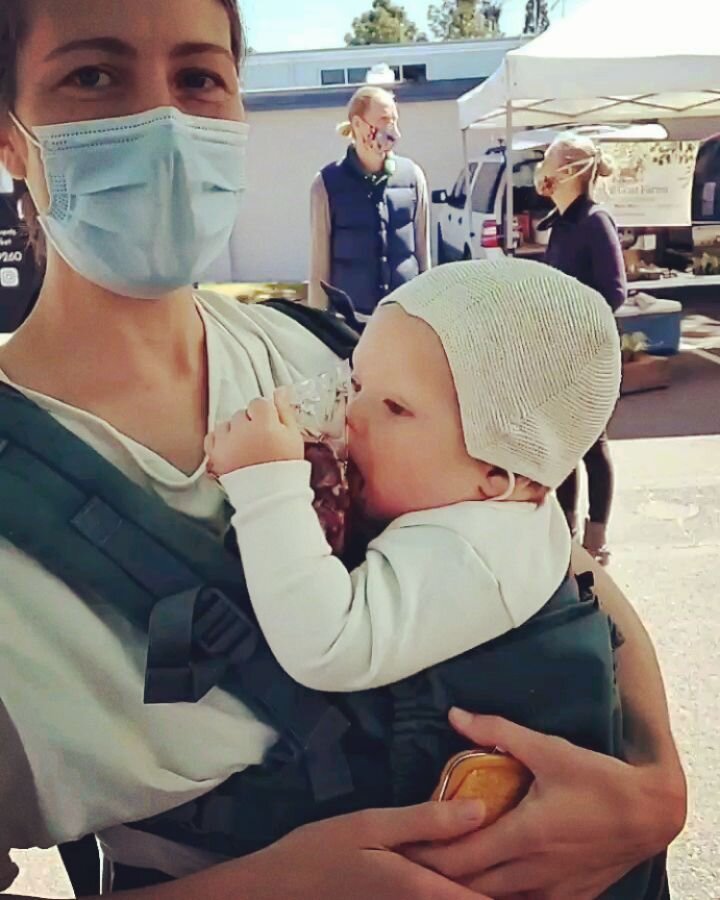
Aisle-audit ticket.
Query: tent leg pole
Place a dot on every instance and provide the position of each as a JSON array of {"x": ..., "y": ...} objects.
[
  {"x": 466, "y": 162},
  {"x": 510, "y": 199}
]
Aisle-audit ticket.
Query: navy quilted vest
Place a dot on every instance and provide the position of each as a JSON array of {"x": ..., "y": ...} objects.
[{"x": 372, "y": 231}]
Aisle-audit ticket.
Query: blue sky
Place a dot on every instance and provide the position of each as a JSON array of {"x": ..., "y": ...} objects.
[{"x": 310, "y": 24}]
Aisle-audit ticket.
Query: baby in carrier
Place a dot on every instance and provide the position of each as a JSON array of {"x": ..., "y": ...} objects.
[{"x": 477, "y": 388}]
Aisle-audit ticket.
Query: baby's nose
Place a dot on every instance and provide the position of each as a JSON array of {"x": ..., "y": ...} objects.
[{"x": 354, "y": 415}]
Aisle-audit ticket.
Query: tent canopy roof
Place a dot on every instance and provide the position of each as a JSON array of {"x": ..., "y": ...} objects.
[{"x": 610, "y": 61}]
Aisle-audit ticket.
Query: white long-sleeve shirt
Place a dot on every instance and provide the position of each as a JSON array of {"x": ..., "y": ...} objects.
[
  {"x": 321, "y": 235},
  {"x": 434, "y": 584},
  {"x": 79, "y": 750}
]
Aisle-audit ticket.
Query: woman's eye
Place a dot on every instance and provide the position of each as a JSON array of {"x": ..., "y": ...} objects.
[
  {"x": 90, "y": 78},
  {"x": 395, "y": 408},
  {"x": 198, "y": 80}
]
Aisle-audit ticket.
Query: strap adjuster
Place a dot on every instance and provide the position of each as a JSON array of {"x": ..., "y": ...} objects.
[
  {"x": 194, "y": 637},
  {"x": 221, "y": 628}
]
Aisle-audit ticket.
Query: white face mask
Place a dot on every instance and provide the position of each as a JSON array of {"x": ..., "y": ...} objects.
[
  {"x": 546, "y": 184},
  {"x": 141, "y": 205}
]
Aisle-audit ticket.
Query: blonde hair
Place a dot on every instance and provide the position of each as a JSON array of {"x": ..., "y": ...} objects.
[
  {"x": 359, "y": 104},
  {"x": 576, "y": 148}
]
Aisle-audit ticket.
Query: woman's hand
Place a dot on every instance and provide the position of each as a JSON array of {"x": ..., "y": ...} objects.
[
  {"x": 587, "y": 820},
  {"x": 265, "y": 432},
  {"x": 355, "y": 857},
  {"x": 351, "y": 857}
]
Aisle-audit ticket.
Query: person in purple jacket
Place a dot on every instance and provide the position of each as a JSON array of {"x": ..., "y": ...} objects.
[{"x": 584, "y": 243}]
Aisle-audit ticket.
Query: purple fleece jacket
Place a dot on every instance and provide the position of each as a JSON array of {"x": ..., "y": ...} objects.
[{"x": 584, "y": 243}]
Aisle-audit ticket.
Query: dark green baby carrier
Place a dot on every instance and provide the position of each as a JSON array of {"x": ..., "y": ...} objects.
[{"x": 113, "y": 542}]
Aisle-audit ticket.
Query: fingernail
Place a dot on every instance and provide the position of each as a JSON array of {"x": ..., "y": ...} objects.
[
  {"x": 460, "y": 716},
  {"x": 471, "y": 811}
]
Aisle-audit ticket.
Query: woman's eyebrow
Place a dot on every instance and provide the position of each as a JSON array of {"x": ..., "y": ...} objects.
[
  {"x": 192, "y": 49},
  {"x": 104, "y": 44}
]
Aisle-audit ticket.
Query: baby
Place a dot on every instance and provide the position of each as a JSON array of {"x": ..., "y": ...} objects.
[{"x": 477, "y": 388}]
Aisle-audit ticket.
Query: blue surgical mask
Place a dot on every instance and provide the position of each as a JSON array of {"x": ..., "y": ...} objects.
[{"x": 142, "y": 205}]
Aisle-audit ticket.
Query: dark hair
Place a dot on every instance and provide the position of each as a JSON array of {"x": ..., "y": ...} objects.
[{"x": 13, "y": 28}]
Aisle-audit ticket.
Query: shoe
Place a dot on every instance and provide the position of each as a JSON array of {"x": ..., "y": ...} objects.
[{"x": 595, "y": 542}]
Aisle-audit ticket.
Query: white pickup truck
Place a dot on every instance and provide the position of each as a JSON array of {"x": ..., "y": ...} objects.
[{"x": 470, "y": 218}]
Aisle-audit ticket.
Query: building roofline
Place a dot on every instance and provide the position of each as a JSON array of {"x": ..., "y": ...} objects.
[
  {"x": 339, "y": 97},
  {"x": 429, "y": 46}
]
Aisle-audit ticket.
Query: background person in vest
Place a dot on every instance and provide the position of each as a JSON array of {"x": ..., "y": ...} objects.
[
  {"x": 370, "y": 216},
  {"x": 120, "y": 351},
  {"x": 584, "y": 243}
]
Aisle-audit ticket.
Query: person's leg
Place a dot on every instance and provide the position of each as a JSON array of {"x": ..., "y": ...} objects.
[
  {"x": 601, "y": 483},
  {"x": 567, "y": 495}
]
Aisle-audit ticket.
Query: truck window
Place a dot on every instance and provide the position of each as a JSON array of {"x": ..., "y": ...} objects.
[
  {"x": 485, "y": 188},
  {"x": 458, "y": 195},
  {"x": 525, "y": 197}
]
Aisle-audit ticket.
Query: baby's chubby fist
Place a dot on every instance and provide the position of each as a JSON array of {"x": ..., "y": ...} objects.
[{"x": 266, "y": 431}]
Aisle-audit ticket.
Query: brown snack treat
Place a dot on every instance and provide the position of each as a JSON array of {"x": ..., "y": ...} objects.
[
  {"x": 499, "y": 780},
  {"x": 328, "y": 480}
]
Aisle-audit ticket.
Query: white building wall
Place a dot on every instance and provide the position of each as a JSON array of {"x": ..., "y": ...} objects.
[{"x": 286, "y": 150}]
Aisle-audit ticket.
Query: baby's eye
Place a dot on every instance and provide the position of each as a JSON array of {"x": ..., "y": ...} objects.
[
  {"x": 395, "y": 408},
  {"x": 355, "y": 386}
]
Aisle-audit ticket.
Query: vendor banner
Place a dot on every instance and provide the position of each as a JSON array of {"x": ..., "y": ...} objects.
[{"x": 652, "y": 183}]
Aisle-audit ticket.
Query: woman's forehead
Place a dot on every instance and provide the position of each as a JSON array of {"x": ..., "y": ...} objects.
[
  {"x": 383, "y": 109},
  {"x": 137, "y": 23}
]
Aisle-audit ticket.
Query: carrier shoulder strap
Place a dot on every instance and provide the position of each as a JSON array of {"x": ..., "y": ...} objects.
[
  {"x": 108, "y": 539},
  {"x": 331, "y": 327}
]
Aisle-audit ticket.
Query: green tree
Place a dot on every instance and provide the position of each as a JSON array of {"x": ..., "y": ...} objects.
[
  {"x": 454, "y": 19},
  {"x": 384, "y": 23},
  {"x": 537, "y": 17}
]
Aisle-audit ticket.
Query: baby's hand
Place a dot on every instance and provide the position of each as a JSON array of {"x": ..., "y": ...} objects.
[{"x": 264, "y": 432}]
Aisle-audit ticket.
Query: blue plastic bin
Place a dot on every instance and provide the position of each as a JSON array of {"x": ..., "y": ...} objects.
[{"x": 660, "y": 325}]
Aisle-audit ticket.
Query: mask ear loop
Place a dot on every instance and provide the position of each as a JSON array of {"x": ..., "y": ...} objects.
[
  {"x": 507, "y": 494},
  {"x": 23, "y": 130},
  {"x": 34, "y": 142},
  {"x": 585, "y": 166}
]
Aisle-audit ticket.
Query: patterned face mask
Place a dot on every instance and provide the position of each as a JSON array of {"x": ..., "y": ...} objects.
[{"x": 382, "y": 140}]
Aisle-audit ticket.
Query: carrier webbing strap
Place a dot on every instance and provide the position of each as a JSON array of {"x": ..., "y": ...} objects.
[{"x": 112, "y": 541}]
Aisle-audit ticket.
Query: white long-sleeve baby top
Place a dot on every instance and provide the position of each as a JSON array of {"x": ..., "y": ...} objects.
[{"x": 434, "y": 584}]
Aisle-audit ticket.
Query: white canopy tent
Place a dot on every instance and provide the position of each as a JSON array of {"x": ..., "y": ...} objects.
[{"x": 609, "y": 61}]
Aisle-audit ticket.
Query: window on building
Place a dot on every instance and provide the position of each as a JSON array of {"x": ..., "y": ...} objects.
[
  {"x": 357, "y": 76},
  {"x": 417, "y": 73},
  {"x": 332, "y": 76}
]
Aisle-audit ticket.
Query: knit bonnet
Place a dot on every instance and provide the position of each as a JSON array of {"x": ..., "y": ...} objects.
[{"x": 534, "y": 355}]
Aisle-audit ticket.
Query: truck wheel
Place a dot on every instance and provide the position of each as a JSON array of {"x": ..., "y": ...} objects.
[{"x": 467, "y": 253}]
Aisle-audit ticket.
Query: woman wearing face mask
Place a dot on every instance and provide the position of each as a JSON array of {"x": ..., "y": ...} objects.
[
  {"x": 584, "y": 243},
  {"x": 369, "y": 211},
  {"x": 125, "y": 122}
]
